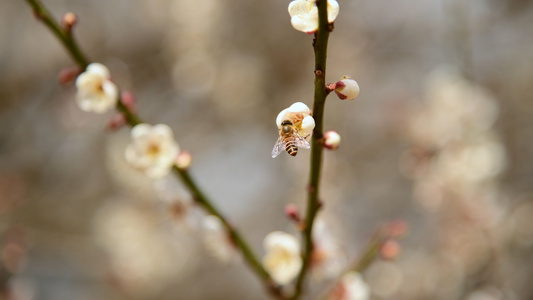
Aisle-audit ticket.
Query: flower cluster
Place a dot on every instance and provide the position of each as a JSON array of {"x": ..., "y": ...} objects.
[
  {"x": 154, "y": 151},
  {"x": 455, "y": 162},
  {"x": 304, "y": 14}
]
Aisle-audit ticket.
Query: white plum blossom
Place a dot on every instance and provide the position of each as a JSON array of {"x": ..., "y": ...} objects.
[
  {"x": 96, "y": 92},
  {"x": 300, "y": 116},
  {"x": 351, "y": 287},
  {"x": 282, "y": 259},
  {"x": 304, "y": 14},
  {"x": 217, "y": 240},
  {"x": 347, "y": 88},
  {"x": 332, "y": 140},
  {"x": 152, "y": 150}
]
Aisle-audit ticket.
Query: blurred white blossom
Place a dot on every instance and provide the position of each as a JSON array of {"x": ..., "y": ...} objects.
[
  {"x": 304, "y": 14},
  {"x": 347, "y": 88},
  {"x": 216, "y": 239},
  {"x": 96, "y": 92},
  {"x": 152, "y": 150},
  {"x": 300, "y": 116},
  {"x": 282, "y": 259},
  {"x": 351, "y": 287},
  {"x": 139, "y": 252},
  {"x": 328, "y": 259},
  {"x": 177, "y": 204}
]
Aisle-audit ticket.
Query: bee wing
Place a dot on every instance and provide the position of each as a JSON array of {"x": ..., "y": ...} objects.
[
  {"x": 302, "y": 142},
  {"x": 278, "y": 148}
]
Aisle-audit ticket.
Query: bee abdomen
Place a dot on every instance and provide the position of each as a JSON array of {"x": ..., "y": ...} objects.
[{"x": 291, "y": 148}]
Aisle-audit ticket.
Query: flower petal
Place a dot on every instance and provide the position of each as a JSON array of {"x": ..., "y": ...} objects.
[
  {"x": 98, "y": 69},
  {"x": 308, "y": 124}
]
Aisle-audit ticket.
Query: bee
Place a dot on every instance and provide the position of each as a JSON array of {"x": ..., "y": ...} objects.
[{"x": 289, "y": 139}]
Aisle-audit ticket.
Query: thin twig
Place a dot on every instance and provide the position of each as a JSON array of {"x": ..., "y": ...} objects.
[
  {"x": 66, "y": 38},
  {"x": 320, "y": 45},
  {"x": 133, "y": 119}
]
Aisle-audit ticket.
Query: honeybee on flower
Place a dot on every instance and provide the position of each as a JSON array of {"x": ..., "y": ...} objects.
[{"x": 295, "y": 126}]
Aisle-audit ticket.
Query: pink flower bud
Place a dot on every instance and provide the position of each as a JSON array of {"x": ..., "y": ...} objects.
[
  {"x": 347, "y": 88},
  {"x": 69, "y": 20},
  {"x": 332, "y": 140},
  {"x": 68, "y": 75},
  {"x": 390, "y": 250},
  {"x": 128, "y": 100},
  {"x": 184, "y": 160},
  {"x": 398, "y": 228},
  {"x": 291, "y": 211}
]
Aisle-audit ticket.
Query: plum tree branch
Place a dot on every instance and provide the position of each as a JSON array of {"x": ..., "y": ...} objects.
[{"x": 66, "y": 38}]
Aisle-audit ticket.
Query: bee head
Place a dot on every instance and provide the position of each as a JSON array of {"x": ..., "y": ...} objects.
[{"x": 287, "y": 126}]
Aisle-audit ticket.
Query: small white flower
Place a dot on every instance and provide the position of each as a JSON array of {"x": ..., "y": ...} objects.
[
  {"x": 300, "y": 116},
  {"x": 351, "y": 287},
  {"x": 282, "y": 259},
  {"x": 304, "y": 14},
  {"x": 153, "y": 149},
  {"x": 96, "y": 92},
  {"x": 347, "y": 88},
  {"x": 332, "y": 140},
  {"x": 216, "y": 239}
]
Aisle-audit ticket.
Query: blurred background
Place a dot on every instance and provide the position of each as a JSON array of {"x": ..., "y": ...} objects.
[{"x": 440, "y": 136}]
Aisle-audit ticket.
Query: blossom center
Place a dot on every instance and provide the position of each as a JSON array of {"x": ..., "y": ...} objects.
[
  {"x": 178, "y": 210},
  {"x": 153, "y": 150},
  {"x": 284, "y": 256}
]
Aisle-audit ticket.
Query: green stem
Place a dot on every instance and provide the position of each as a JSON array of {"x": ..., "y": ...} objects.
[
  {"x": 313, "y": 204},
  {"x": 133, "y": 119}
]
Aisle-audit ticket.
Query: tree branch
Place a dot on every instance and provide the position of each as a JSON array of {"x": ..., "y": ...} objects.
[{"x": 133, "y": 119}]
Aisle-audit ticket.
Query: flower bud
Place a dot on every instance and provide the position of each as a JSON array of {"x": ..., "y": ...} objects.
[
  {"x": 291, "y": 211},
  {"x": 332, "y": 140},
  {"x": 116, "y": 121},
  {"x": 398, "y": 228},
  {"x": 390, "y": 250},
  {"x": 128, "y": 100},
  {"x": 69, "y": 20},
  {"x": 347, "y": 88},
  {"x": 184, "y": 160},
  {"x": 68, "y": 75}
]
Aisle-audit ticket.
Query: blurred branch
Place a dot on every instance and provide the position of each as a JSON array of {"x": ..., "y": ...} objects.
[
  {"x": 65, "y": 36},
  {"x": 370, "y": 253},
  {"x": 133, "y": 119},
  {"x": 320, "y": 45},
  {"x": 372, "y": 249}
]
